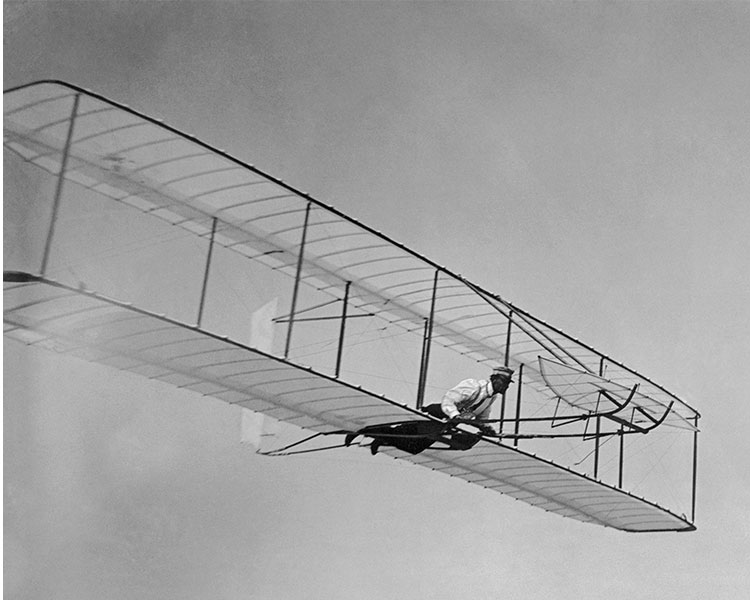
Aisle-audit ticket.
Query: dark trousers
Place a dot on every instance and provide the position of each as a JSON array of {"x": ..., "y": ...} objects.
[{"x": 416, "y": 436}]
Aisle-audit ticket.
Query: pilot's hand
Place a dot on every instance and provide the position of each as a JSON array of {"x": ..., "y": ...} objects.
[
  {"x": 466, "y": 417},
  {"x": 486, "y": 429}
]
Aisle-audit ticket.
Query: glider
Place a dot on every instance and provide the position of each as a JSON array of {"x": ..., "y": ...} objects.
[{"x": 330, "y": 273}]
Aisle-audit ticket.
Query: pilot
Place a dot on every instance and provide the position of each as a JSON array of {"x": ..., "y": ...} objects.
[{"x": 472, "y": 399}]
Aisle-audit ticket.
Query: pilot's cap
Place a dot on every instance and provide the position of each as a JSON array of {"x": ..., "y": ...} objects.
[{"x": 504, "y": 372}]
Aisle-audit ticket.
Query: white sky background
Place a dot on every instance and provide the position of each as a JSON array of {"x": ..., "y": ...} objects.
[{"x": 587, "y": 161}]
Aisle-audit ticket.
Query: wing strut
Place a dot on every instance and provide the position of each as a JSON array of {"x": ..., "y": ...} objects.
[{"x": 282, "y": 451}]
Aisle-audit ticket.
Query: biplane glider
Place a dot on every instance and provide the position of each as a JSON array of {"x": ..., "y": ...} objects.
[{"x": 141, "y": 244}]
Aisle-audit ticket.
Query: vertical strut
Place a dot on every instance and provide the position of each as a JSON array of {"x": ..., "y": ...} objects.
[
  {"x": 420, "y": 392},
  {"x": 598, "y": 424},
  {"x": 695, "y": 467},
  {"x": 621, "y": 433},
  {"x": 297, "y": 276},
  {"x": 59, "y": 185},
  {"x": 208, "y": 268},
  {"x": 518, "y": 404},
  {"x": 426, "y": 341},
  {"x": 343, "y": 328},
  {"x": 596, "y": 447},
  {"x": 506, "y": 361}
]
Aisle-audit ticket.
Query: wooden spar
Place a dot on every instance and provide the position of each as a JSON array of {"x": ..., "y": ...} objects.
[
  {"x": 426, "y": 342},
  {"x": 297, "y": 276},
  {"x": 342, "y": 330},
  {"x": 206, "y": 271},
  {"x": 59, "y": 185}
]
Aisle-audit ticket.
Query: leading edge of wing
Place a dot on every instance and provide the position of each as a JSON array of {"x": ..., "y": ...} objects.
[{"x": 478, "y": 343}]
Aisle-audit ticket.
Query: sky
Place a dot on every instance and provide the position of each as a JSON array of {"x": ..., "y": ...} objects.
[{"x": 587, "y": 161}]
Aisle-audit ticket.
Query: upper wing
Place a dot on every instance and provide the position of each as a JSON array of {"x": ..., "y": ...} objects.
[{"x": 152, "y": 167}]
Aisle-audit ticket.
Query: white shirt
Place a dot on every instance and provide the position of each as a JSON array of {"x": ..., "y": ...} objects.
[{"x": 471, "y": 395}]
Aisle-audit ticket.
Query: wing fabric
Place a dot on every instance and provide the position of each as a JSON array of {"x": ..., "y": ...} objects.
[
  {"x": 115, "y": 153},
  {"x": 82, "y": 324}
]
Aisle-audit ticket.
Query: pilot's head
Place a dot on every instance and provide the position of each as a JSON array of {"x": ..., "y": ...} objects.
[{"x": 501, "y": 378}]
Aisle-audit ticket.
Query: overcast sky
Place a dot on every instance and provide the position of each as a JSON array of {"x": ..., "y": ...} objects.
[{"x": 587, "y": 161}]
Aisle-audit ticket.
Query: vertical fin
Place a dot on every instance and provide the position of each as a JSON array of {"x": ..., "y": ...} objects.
[{"x": 256, "y": 428}]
